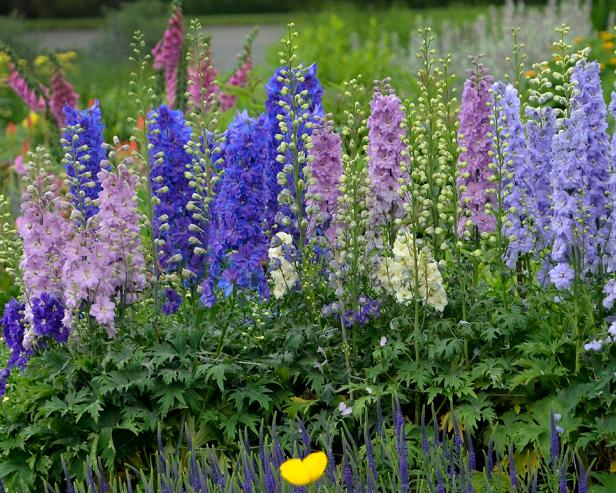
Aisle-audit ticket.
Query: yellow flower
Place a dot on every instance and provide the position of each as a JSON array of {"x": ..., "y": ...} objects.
[
  {"x": 300, "y": 472},
  {"x": 609, "y": 45},
  {"x": 529, "y": 74},
  {"x": 31, "y": 120},
  {"x": 612, "y": 61},
  {"x": 66, "y": 57},
  {"x": 41, "y": 60},
  {"x": 4, "y": 58},
  {"x": 578, "y": 39},
  {"x": 602, "y": 66},
  {"x": 606, "y": 36}
]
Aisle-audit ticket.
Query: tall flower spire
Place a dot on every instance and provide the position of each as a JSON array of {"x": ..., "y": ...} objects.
[
  {"x": 474, "y": 138},
  {"x": 62, "y": 93},
  {"x": 168, "y": 136},
  {"x": 168, "y": 53},
  {"x": 580, "y": 180},
  {"x": 35, "y": 99},
  {"x": 82, "y": 142},
  {"x": 242, "y": 247},
  {"x": 323, "y": 185},
  {"x": 385, "y": 146}
]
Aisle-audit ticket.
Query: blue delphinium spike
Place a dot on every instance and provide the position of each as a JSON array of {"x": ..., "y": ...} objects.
[
  {"x": 278, "y": 455},
  {"x": 562, "y": 477},
  {"x": 305, "y": 438}
]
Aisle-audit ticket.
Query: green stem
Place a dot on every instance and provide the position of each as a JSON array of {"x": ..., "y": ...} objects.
[{"x": 221, "y": 339}]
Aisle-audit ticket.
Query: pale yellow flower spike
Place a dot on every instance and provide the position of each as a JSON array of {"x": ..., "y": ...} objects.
[{"x": 300, "y": 472}]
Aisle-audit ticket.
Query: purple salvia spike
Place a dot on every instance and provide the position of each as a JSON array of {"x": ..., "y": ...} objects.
[
  {"x": 490, "y": 457},
  {"x": 372, "y": 473},
  {"x": 70, "y": 487},
  {"x": 424, "y": 436},
  {"x": 90, "y": 480},
  {"x": 472, "y": 460},
  {"x": 347, "y": 473},
  {"x": 100, "y": 475},
  {"x": 331, "y": 464},
  {"x": 582, "y": 478},
  {"x": 305, "y": 438},
  {"x": 562, "y": 477},
  {"x": 403, "y": 460},
  {"x": 554, "y": 445},
  {"x": 278, "y": 454},
  {"x": 513, "y": 473}
]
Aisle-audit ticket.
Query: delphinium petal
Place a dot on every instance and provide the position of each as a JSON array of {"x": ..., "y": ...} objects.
[{"x": 474, "y": 138}]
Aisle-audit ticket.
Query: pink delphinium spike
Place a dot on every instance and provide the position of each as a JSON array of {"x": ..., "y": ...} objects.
[
  {"x": 35, "y": 101},
  {"x": 168, "y": 53},
  {"x": 62, "y": 93},
  {"x": 325, "y": 170},
  {"x": 202, "y": 84}
]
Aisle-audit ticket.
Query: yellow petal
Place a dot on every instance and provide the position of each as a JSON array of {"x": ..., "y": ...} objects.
[
  {"x": 315, "y": 464},
  {"x": 295, "y": 472}
]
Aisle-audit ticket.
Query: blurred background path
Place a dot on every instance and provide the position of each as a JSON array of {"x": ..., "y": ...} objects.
[{"x": 227, "y": 41}]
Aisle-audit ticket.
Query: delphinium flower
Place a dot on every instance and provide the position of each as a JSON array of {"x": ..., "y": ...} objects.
[
  {"x": 239, "y": 77},
  {"x": 168, "y": 53},
  {"x": 474, "y": 138},
  {"x": 104, "y": 262},
  {"x": 47, "y": 316},
  {"x": 323, "y": 190},
  {"x": 281, "y": 256},
  {"x": 13, "y": 329},
  {"x": 241, "y": 246},
  {"x": 540, "y": 128},
  {"x": 512, "y": 169},
  {"x": 42, "y": 231},
  {"x": 293, "y": 105},
  {"x": 411, "y": 273},
  {"x": 580, "y": 180},
  {"x": 385, "y": 146},
  {"x": 82, "y": 142},
  {"x": 168, "y": 135},
  {"x": 62, "y": 93}
]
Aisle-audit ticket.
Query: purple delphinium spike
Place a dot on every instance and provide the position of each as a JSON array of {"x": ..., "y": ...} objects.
[
  {"x": 84, "y": 156},
  {"x": 90, "y": 479},
  {"x": 13, "y": 330},
  {"x": 100, "y": 476},
  {"x": 513, "y": 472},
  {"x": 562, "y": 477},
  {"x": 168, "y": 136},
  {"x": 173, "y": 301},
  {"x": 385, "y": 146},
  {"x": 278, "y": 454},
  {"x": 239, "y": 208},
  {"x": 403, "y": 459},
  {"x": 331, "y": 464},
  {"x": 516, "y": 172},
  {"x": 193, "y": 470},
  {"x": 474, "y": 138},
  {"x": 304, "y": 82},
  {"x": 540, "y": 129},
  {"x": 580, "y": 179}
]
